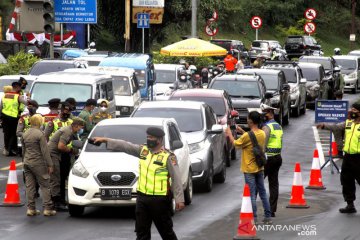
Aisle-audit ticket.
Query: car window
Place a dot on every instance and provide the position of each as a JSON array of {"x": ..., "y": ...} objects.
[
  {"x": 173, "y": 134},
  {"x": 217, "y": 103},
  {"x": 224, "y": 44},
  {"x": 210, "y": 118},
  {"x": 237, "y": 88},
  {"x": 290, "y": 74},
  {"x": 46, "y": 67},
  {"x": 165, "y": 76},
  {"x": 8, "y": 82},
  {"x": 346, "y": 64},
  {"x": 260, "y": 44},
  {"x": 313, "y": 40},
  {"x": 311, "y": 74},
  {"x": 323, "y": 61},
  {"x": 121, "y": 86},
  {"x": 308, "y": 41},
  {"x": 294, "y": 40},
  {"x": 271, "y": 81}
]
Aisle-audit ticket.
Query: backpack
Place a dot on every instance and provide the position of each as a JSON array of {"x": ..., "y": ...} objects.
[{"x": 259, "y": 154}]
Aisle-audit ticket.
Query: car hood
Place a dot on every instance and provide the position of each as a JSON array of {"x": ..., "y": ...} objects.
[
  {"x": 124, "y": 101},
  {"x": 246, "y": 102},
  {"x": 194, "y": 137},
  {"x": 161, "y": 88},
  {"x": 347, "y": 71}
]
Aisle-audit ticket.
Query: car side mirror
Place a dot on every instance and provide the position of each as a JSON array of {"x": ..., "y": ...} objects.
[
  {"x": 303, "y": 81},
  {"x": 234, "y": 114},
  {"x": 216, "y": 129},
  {"x": 286, "y": 87},
  {"x": 336, "y": 69},
  {"x": 176, "y": 145},
  {"x": 269, "y": 95}
]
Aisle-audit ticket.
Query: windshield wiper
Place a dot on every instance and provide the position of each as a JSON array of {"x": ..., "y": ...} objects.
[
  {"x": 251, "y": 96},
  {"x": 236, "y": 96}
]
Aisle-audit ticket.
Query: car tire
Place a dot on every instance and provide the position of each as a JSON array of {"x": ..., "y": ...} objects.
[
  {"x": 188, "y": 193},
  {"x": 227, "y": 157},
  {"x": 208, "y": 184},
  {"x": 233, "y": 154},
  {"x": 303, "y": 110},
  {"x": 221, "y": 176},
  {"x": 353, "y": 91},
  {"x": 287, "y": 117},
  {"x": 296, "y": 111},
  {"x": 76, "y": 210}
]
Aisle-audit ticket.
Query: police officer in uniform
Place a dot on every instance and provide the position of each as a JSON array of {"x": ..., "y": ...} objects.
[
  {"x": 86, "y": 115},
  {"x": 72, "y": 103},
  {"x": 273, "y": 143},
  {"x": 62, "y": 120},
  {"x": 157, "y": 165},
  {"x": 350, "y": 169},
  {"x": 183, "y": 82},
  {"x": 60, "y": 143},
  {"x": 24, "y": 123},
  {"x": 54, "y": 110}
]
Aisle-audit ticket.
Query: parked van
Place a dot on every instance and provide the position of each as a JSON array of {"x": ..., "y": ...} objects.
[
  {"x": 141, "y": 63},
  {"x": 126, "y": 87},
  {"x": 80, "y": 86}
]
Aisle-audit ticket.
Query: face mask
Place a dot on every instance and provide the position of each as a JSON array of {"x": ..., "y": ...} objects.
[
  {"x": 23, "y": 87},
  {"x": 81, "y": 131},
  {"x": 103, "y": 109},
  {"x": 183, "y": 78},
  {"x": 353, "y": 115},
  {"x": 32, "y": 111},
  {"x": 151, "y": 143}
]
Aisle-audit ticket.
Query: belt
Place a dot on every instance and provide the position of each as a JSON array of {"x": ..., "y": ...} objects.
[{"x": 273, "y": 150}]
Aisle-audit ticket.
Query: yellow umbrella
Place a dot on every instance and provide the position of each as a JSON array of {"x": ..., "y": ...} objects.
[{"x": 193, "y": 47}]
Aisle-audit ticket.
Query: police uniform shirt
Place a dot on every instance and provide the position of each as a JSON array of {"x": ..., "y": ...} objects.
[
  {"x": 21, "y": 126},
  {"x": 172, "y": 165},
  {"x": 64, "y": 135}
]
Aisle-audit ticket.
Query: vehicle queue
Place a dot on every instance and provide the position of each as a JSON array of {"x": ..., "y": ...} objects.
[{"x": 199, "y": 135}]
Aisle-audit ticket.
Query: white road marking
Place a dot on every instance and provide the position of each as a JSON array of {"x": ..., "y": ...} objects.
[{"x": 319, "y": 146}]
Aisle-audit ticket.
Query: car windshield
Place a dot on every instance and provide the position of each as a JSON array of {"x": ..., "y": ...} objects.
[
  {"x": 294, "y": 40},
  {"x": 325, "y": 62},
  {"x": 217, "y": 103},
  {"x": 46, "y": 67},
  {"x": 140, "y": 75},
  {"x": 311, "y": 74},
  {"x": 165, "y": 76},
  {"x": 8, "y": 82},
  {"x": 346, "y": 64},
  {"x": 260, "y": 44},
  {"x": 271, "y": 81},
  {"x": 189, "y": 120},
  {"x": 290, "y": 74},
  {"x": 42, "y": 92},
  {"x": 238, "y": 88},
  {"x": 131, "y": 133},
  {"x": 121, "y": 86}
]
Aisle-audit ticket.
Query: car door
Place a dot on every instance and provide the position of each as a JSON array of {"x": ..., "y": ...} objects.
[
  {"x": 302, "y": 87},
  {"x": 135, "y": 91},
  {"x": 285, "y": 94},
  {"x": 215, "y": 139}
]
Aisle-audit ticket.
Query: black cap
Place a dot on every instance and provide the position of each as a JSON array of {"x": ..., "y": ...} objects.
[
  {"x": 71, "y": 100},
  {"x": 356, "y": 106},
  {"x": 33, "y": 103},
  {"x": 65, "y": 106},
  {"x": 54, "y": 102},
  {"x": 16, "y": 84},
  {"x": 23, "y": 81},
  {"x": 155, "y": 131},
  {"x": 90, "y": 102}
]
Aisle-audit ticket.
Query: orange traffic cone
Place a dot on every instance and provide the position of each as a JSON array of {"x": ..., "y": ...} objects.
[
  {"x": 12, "y": 196},
  {"x": 334, "y": 148},
  {"x": 297, "y": 199},
  {"x": 315, "y": 174},
  {"x": 246, "y": 228}
]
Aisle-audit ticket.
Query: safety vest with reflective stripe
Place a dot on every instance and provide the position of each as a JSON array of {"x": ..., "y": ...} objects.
[
  {"x": 153, "y": 173},
  {"x": 352, "y": 137},
  {"x": 26, "y": 122},
  {"x": 59, "y": 124},
  {"x": 10, "y": 103},
  {"x": 275, "y": 140}
]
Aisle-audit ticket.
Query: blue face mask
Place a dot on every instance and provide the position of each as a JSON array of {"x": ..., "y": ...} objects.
[{"x": 81, "y": 131}]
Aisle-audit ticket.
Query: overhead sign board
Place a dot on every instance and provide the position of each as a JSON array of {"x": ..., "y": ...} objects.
[
  {"x": 310, "y": 14},
  {"x": 256, "y": 22},
  {"x": 143, "y": 20},
  {"x": 332, "y": 111},
  {"x": 156, "y": 14},
  {"x": 76, "y": 11},
  {"x": 148, "y": 3},
  {"x": 309, "y": 27}
]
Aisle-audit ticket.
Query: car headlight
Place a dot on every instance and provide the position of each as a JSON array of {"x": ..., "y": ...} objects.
[
  {"x": 195, "y": 147},
  {"x": 79, "y": 170},
  {"x": 294, "y": 89},
  {"x": 353, "y": 75}
]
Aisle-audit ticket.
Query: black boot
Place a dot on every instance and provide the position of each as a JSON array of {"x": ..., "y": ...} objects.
[
  {"x": 58, "y": 205},
  {"x": 350, "y": 208}
]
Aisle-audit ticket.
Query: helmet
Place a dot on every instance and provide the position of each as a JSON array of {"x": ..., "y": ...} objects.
[
  {"x": 337, "y": 51},
  {"x": 183, "y": 76},
  {"x": 192, "y": 69}
]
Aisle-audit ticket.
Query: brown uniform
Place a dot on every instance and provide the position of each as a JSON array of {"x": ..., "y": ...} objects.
[
  {"x": 98, "y": 117},
  {"x": 36, "y": 162}
]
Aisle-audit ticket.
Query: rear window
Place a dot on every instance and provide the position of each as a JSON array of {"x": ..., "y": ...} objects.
[
  {"x": 47, "y": 67},
  {"x": 224, "y": 44},
  {"x": 294, "y": 40},
  {"x": 165, "y": 76},
  {"x": 311, "y": 74},
  {"x": 260, "y": 44},
  {"x": 217, "y": 103},
  {"x": 8, "y": 82}
]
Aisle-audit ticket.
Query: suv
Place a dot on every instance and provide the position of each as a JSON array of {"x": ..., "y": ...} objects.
[
  {"x": 277, "y": 84},
  {"x": 235, "y": 46},
  {"x": 220, "y": 102},
  {"x": 166, "y": 76},
  {"x": 46, "y": 65},
  {"x": 247, "y": 93},
  {"x": 332, "y": 71},
  {"x": 264, "y": 48},
  {"x": 350, "y": 69},
  {"x": 294, "y": 77},
  {"x": 297, "y": 46}
]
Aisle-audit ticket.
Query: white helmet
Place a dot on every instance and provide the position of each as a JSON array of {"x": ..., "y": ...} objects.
[{"x": 337, "y": 51}]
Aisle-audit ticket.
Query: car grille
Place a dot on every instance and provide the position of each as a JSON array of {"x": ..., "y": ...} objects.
[{"x": 127, "y": 178}]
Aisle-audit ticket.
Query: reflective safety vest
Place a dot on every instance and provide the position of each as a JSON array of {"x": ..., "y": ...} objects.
[
  {"x": 26, "y": 122},
  {"x": 352, "y": 137},
  {"x": 59, "y": 124},
  {"x": 275, "y": 140},
  {"x": 11, "y": 105},
  {"x": 153, "y": 173}
]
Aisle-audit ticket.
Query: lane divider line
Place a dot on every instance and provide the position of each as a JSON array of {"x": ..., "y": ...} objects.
[
  {"x": 319, "y": 146},
  {"x": 8, "y": 168}
]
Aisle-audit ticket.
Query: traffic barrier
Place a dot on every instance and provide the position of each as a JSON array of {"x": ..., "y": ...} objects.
[
  {"x": 246, "y": 228},
  {"x": 315, "y": 181},
  {"x": 297, "y": 199},
  {"x": 12, "y": 196},
  {"x": 334, "y": 149}
]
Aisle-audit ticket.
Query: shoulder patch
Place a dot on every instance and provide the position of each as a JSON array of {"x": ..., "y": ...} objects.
[
  {"x": 173, "y": 160},
  {"x": 144, "y": 152},
  {"x": 160, "y": 158},
  {"x": 21, "y": 120}
]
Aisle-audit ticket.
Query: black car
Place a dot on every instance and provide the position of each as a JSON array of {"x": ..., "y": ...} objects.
[
  {"x": 276, "y": 83},
  {"x": 247, "y": 93},
  {"x": 297, "y": 46},
  {"x": 236, "y": 46}
]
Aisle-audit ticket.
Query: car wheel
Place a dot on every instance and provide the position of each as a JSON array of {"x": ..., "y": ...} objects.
[
  {"x": 188, "y": 193},
  {"x": 221, "y": 176},
  {"x": 227, "y": 157},
  {"x": 355, "y": 88},
  {"x": 303, "y": 110},
  {"x": 287, "y": 117},
  {"x": 296, "y": 111},
  {"x": 208, "y": 184},
  {"x": 357, "y": 84},
  {"x": 233, "y": 153},
  {"x": 76, "y": 210}
]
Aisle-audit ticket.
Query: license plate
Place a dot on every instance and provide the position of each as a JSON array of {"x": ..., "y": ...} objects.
[{"x": 115, "y": 193}]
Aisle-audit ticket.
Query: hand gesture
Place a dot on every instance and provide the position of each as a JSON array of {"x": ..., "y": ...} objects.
[
  {"x": 320, "y": 126},
  {"x": 180, "y": 206}
]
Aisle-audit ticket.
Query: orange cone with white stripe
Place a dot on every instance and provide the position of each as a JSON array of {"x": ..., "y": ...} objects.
[
  {"x": 315, "y": 174},
  {"x": 297, "y": 199},
  {"x": 12, "y": 196},
  {"x": 334, "y": 149},
  {"x": 246, "y": 228}
]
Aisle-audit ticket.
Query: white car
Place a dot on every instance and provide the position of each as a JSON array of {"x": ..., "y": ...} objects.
[
  {"x": 350, "y": 70},
  {"x": 101, "y": 177},
  {"x": 166, "y": 75}
]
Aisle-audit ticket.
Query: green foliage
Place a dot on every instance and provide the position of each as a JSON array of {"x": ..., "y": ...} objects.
[
  {"x": 21, "y": 62},
  {"x": 199, "y": 62}
]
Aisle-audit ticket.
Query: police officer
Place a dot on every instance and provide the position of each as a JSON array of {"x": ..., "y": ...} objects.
[
  {"x": 183, "y": 82},
  {"x": 273, "y": 143},
  {"x": 62, "y": 120},
  {"x": 59, "y": 144},
  {"x": 350, "y": 169},
  {"x": 10, "y": 111},
  {"x": 86, "y": 115},
  {"x": 24, "y": 123},
  {"x": 103, "y": 113},
  {"x": 54, "y": 110},
  {"x": 72, "y": 103},
  {"x": 37, "y": 167},
  {"x": 157, "y": 165}
]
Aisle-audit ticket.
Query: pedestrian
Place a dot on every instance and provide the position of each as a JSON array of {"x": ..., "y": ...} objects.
[
  {"x": 72, "y": 103},
  {"x": 24, "y": 123},
  {"x": 254, "y": 175},
  {"x": 230, "y": 62},
  {"x": 37, "y": 167},
  {"x": 54, "y": 110},
  {"x": 182, "y": 83},
  {"x": 62, "y": 120},
  {"x": 273, "y": 142},
  {"x": 10, "y": 112},
  {"x": 86, "y": 115},
  {"x": 154, "y": 198},
  {"x": 103, "y": 113},
  {"x": 339, "y": 95},
  {"x": 59, "y": 144},
  {"x": 350, "y": 169}
]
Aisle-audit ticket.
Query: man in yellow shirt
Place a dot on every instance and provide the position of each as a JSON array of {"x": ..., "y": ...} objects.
[{"x": 254, "y": 175}]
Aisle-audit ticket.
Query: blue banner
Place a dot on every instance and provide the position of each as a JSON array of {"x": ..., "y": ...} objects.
[
  {"x": 76, "y": 11},
  {"x": 332, "y": 111}
]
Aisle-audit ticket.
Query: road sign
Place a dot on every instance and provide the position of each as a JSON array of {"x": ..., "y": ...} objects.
[
  {"x": 333, "y": 111},
  {"x": 210, "y": 31},
  {"x": 309, "y": 27},
  {"x": 256, "y": 22},
  {"x": 352, "y": 37},
  {"x": 310, "y": 14},
  {"x": 143, "y": 20},
  {"x": 80, "y": 11}
]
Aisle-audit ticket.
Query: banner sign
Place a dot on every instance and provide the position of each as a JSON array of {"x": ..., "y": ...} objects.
[
  {"x": 79, "y": 11},
  {"x": 333, "y": 111},
  {"x": 156, "y": 14},
  {"x": 149, "y": 3}
]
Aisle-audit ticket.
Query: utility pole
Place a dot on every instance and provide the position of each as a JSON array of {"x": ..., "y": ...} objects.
[
  {"x": 353, "y": 8},
  {"x": 193, "y": 18},
  {"x": 127, "y": 25}
]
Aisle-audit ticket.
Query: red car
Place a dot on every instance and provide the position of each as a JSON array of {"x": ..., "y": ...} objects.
[{"x": 220, "y": 102}]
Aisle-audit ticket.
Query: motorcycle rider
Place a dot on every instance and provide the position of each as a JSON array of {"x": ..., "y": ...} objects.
[{"x": 183, "y": 82}]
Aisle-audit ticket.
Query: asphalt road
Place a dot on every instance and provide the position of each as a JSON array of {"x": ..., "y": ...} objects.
[{"x": 212, "y": 215}]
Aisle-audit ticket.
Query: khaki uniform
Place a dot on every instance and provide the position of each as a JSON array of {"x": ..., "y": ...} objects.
[
  {"x": 64, "y": 135},
  {"x": 50, "y": 129},
  {"x": 98, "y": 117},
  {"x": 23, "y": 125},
  {"x": 36, "y": 162},
  {"x": 87, "y": 117}
]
